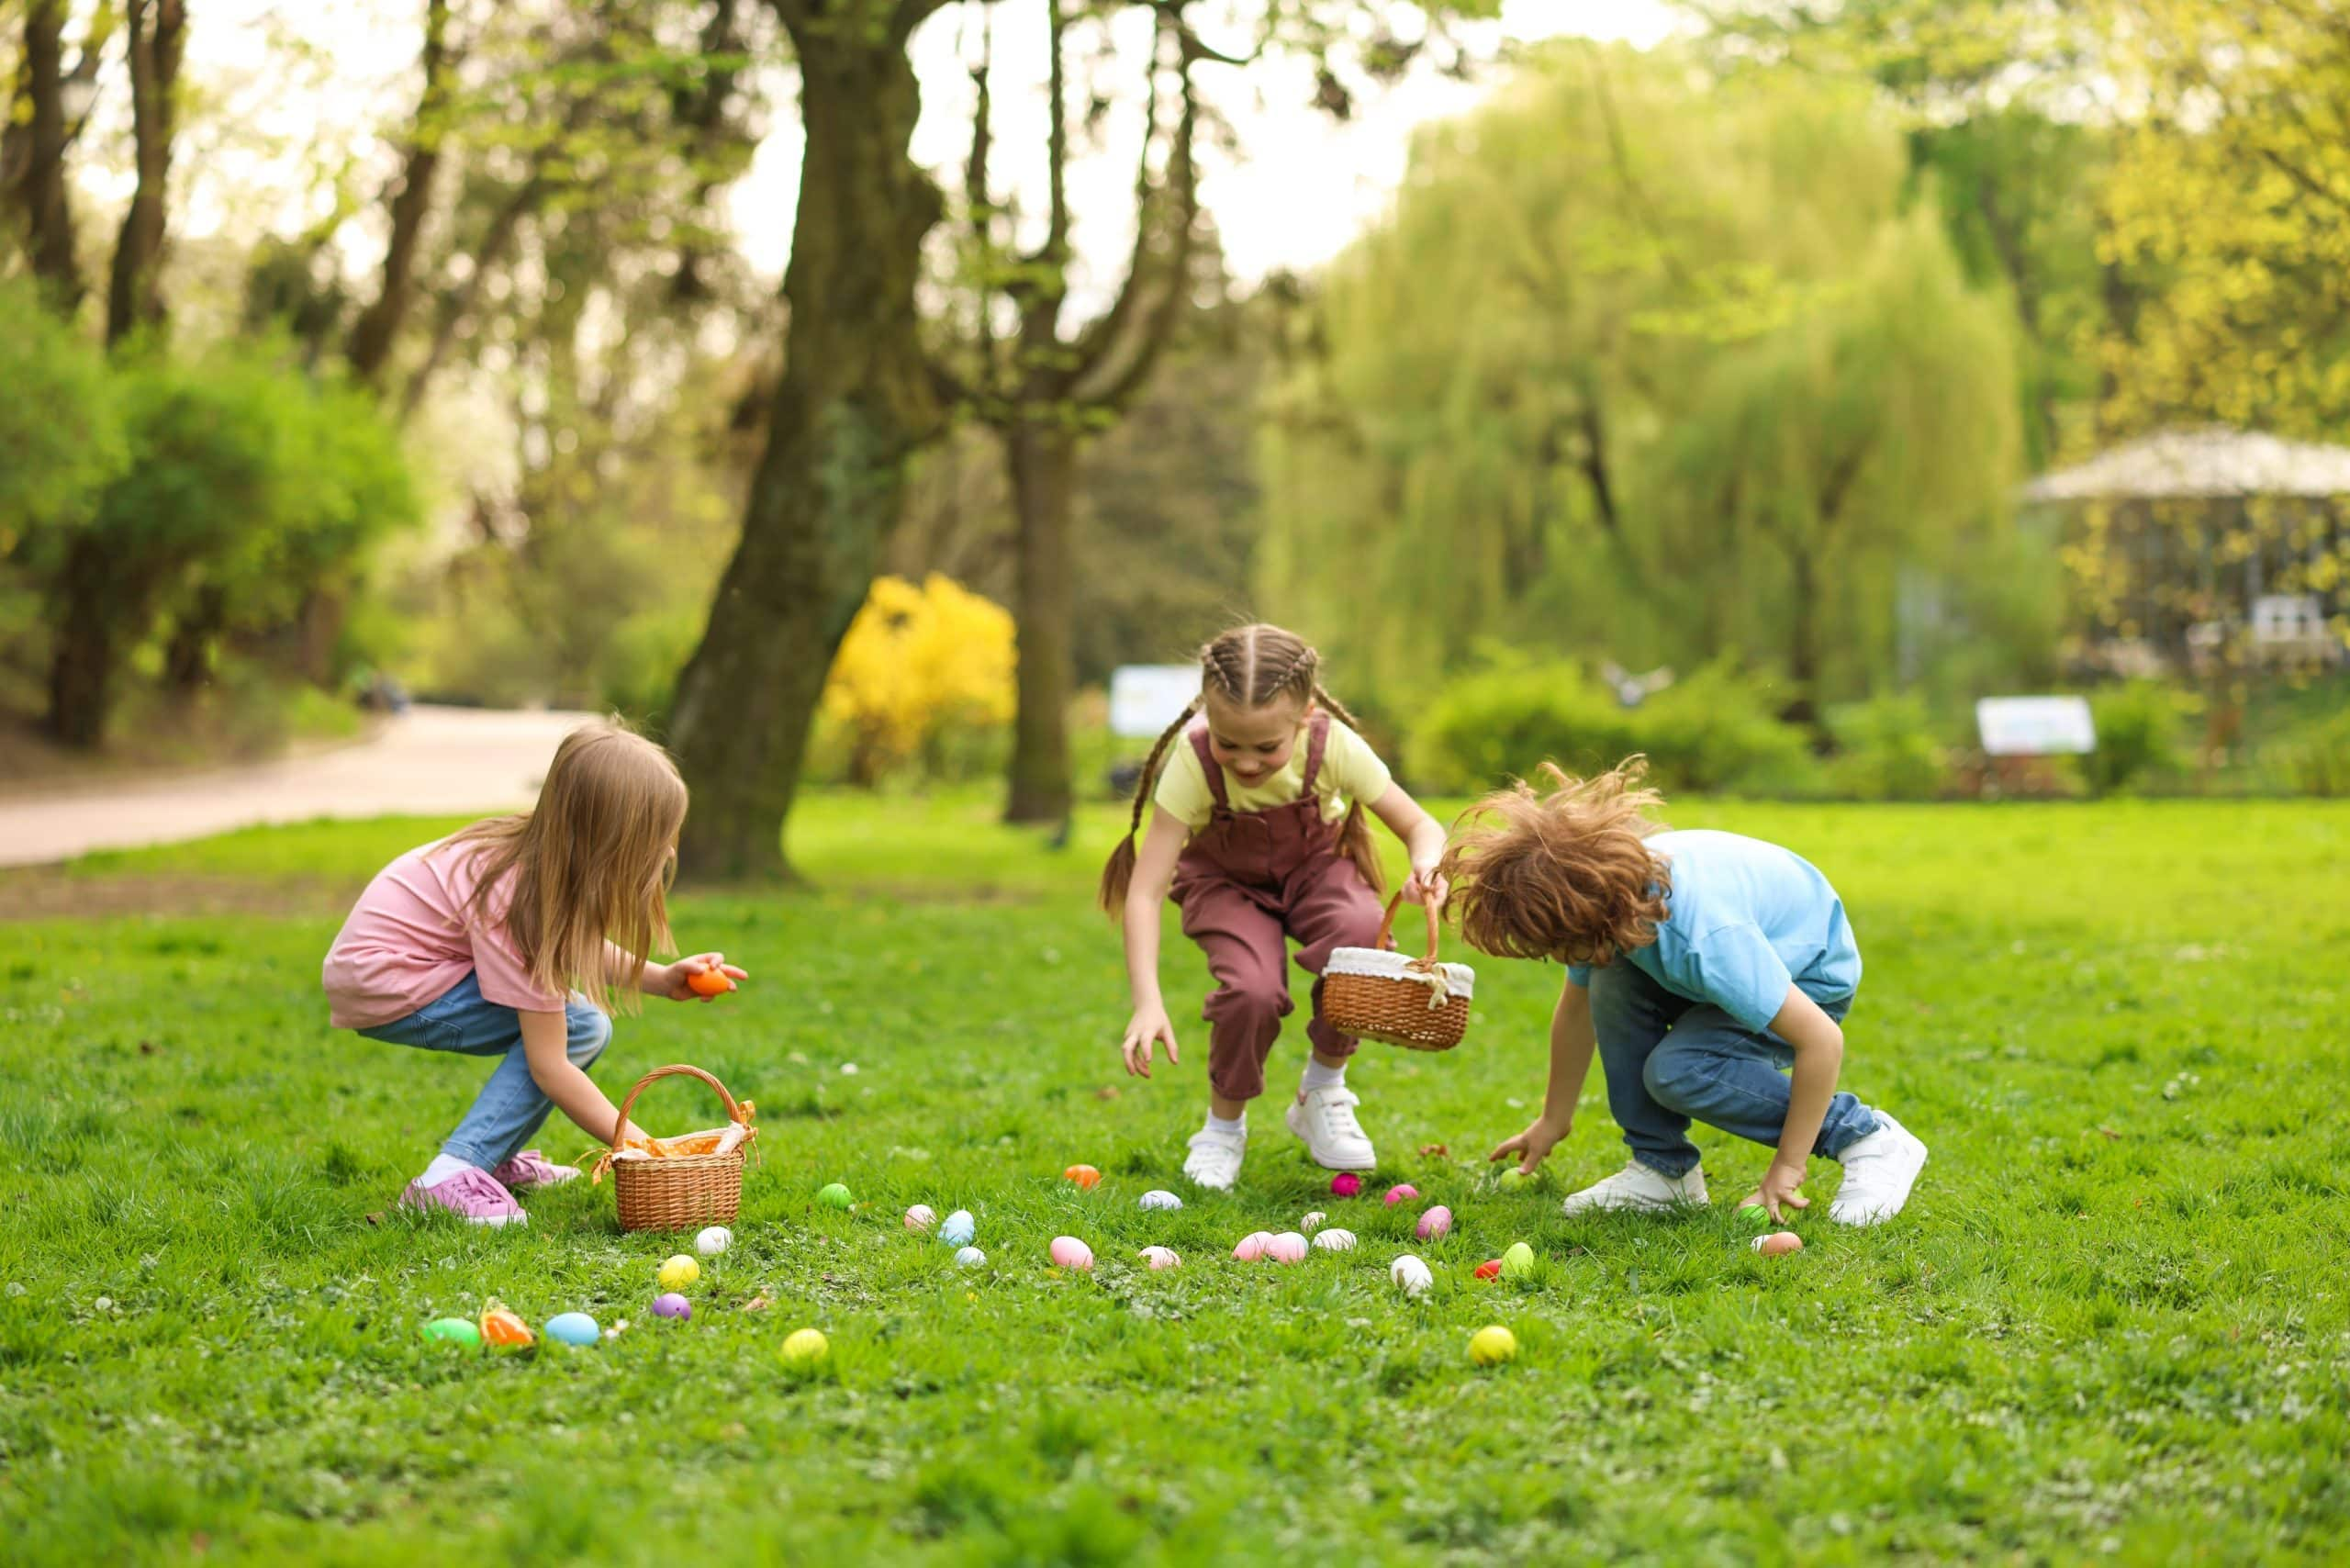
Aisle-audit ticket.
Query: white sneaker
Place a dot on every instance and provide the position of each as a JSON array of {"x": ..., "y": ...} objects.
[
  {"x": 1879, "y": 1170},
  {"x": 1638, "y": 1186},
  {"x": 1215, "y": 1160},
  {"x": 1324, "y": 1118}
]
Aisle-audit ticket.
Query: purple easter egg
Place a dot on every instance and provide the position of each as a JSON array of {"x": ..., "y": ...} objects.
[{"x": 669, "y": 1303}]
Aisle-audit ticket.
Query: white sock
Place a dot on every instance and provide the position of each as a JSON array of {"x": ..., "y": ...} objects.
[
  {"x": 1238, "y": 1124},
  {"x": 1320, "y": 1077},
  {"x": 441, "y": 1170}
]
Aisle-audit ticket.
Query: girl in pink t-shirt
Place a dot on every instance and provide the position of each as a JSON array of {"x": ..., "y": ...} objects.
[{"x": 517, "y": 938}]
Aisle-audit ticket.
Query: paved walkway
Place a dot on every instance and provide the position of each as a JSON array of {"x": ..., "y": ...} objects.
[{"x": 428, "y": 761}]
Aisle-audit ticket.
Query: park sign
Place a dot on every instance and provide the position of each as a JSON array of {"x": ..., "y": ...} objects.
[
  {"x": 2035, "y": 726},
  {"x": 1145, "y": 698}
]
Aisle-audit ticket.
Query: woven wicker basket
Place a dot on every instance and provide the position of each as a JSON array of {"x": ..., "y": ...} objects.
[
  {"x": 1379, "y": 994},
  {"x": 683, "y": 1190}
]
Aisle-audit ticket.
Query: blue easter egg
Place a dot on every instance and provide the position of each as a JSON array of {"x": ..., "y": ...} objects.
[
  {"x": 572, "y": 1328},
  {"x": 957, "y": 1229}
]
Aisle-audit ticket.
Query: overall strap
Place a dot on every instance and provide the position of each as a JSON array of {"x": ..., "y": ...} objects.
[
  {"x": 1198, "y": 735},
  {"x": 1317, "y": 739}
]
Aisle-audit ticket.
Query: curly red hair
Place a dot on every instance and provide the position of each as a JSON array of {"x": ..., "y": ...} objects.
[{"x": 1564, "y": 875}]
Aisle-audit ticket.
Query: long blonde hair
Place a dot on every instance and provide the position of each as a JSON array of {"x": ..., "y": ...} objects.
[
  {"x": 591, "y": 862},
  {"x": 1566, "y": 875},
  {"x": 1250, "y": 667}
]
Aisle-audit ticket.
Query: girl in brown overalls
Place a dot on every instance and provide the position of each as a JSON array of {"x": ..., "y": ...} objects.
[{"x": 1257, "y": 831}]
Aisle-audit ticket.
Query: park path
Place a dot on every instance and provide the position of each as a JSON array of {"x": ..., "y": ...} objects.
[{"x": 429, "y": 761}]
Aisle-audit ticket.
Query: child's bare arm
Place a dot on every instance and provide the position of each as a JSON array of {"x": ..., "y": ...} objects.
[
  {"x": 1162, "y": 844},
  {"x": 1423, "y": 836},
  {"x": 545, "y": 1037},
  {"x": 1573, "y": 1040},
  {"x": 1818, "y": 1042},
  {"x": 667, "y": 979}
]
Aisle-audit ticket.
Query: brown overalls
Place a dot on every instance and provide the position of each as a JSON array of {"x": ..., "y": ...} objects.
[{"x": 1247, "y": 880}]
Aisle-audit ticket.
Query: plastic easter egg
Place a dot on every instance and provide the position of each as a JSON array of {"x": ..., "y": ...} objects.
[
  {"x": 1160, "y": 1258},
  {"x": 1755, "y": 1216},
  {"x": 1334, "y": 1240},
  {"x": 1518, "y": 1263},
  {"x": 709, "y": 982},
  {"x": 957, "y": 1229},
  {"x": 1157, "y": 1199},
  {"x": 1084, "y": 1176},
  {"x": 834, "y": 1195},
  {"x": 922, "y": 1216},
  {"x": 1069, "y": 1252},
  {"x": 1252, "y": 1246},
  {"x": 1778, "y": 1244},
  {"x": 803, "y": 1346},
  {"x": 573, "y": 1329},
  {"x": 1491, "y": 1269},
  {"x": 677, "y": 1273},
  {"x": 1345, "y": 1185},
  {"x": 1493, "y": 1345},
  {"x": 1312, "y": 1222},
  {"x": 502, "y": 1329},
  {"x": 1402, "y": 1192},
  {"x": 671, "y": 1304},
  {"x": 1513, "y": 1179},
  {"x": 972, "y": 1258},
  {"x": 1434, "y": 1224},
  {"x": 713, "y": 1239},
  {"x": 1411, "y": 1275},
  {"x": 453, "y": 1331},
  {"x": 1287, "y": 1248}
]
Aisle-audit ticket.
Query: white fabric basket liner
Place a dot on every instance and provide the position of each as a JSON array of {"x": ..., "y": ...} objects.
[{"x": 1379, "y": 963}]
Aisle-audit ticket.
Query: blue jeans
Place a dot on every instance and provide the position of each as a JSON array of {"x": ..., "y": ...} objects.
[
  {"x": 511, "y": 1107},
  {"x": 1670, "y": 1061}
]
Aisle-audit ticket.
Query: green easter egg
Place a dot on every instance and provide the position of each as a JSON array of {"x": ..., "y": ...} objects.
[
  {"x": 835, "y": 1194},
  {"x": 1755, "y": 1216},
  {"x": 1513, "y": 1179},
  {"x": 455, "y": 1331},
  {"x": 1518, "y": 1263}
]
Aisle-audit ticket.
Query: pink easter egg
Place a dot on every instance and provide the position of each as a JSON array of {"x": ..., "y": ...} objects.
[
  {"x": 1252, "y": 1246},
  {"x": 1160, "y": 1258},
  {"x": 1069, "y": 1252},
  {"x": 922, "y": 1216},
  {"x": 1346, "y": 1183},
  {"x": 1288, "y": 1247},
  {"x": 1778, "y": 1244},
  {"x": 1434, "y": 1222},
  {"x": 1403, "y": 1193}
]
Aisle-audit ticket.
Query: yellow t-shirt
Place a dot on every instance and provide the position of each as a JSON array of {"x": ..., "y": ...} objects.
[{"x": 1350, "y": 771}]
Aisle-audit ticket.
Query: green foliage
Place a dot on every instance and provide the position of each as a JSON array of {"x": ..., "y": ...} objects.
[
  {"x": 61, "y": 436},
  {"x": 2110, "y": 1323},
  {"x": 2138, "y": 740},
  {"x": 1886, "y": 749},
  {"x": 1713, "y": 730}
]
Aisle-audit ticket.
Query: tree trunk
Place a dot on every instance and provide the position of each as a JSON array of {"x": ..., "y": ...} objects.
[
  {"x": 1803, "y": 639},
  {"x": 81, "y": 670},
  {"x": 852, "y": 403},
  {"x": 187, "y": 660},
  {"x": 157, "y": 35},
  {"x": 372, "y": 334},
  {"x": 1043, "y": 462},
  {"x": 49, "y": 211}
]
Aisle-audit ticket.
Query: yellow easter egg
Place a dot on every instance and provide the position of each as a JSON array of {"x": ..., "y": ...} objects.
[
  {"x": 1493, "y": 1345},
  {"x": 679, "y": 1272},
  {"x": 804, "y": 1345}
]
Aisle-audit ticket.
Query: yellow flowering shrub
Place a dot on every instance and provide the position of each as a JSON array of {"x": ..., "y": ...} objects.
[{"x": 920, "y": 663}]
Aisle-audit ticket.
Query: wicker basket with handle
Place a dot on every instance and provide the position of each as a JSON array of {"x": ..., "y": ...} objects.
[
  {"x": 679, "y": 1190},
  {"x": 1379, "y": 994}
]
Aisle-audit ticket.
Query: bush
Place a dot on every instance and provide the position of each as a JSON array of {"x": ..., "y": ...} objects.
[
  {"x": 1713, "y": 732},
  {"x": 2137, "y": 734},
  {"x": 2317, "y": 761},
  {"x": 641, "y": 660},
  {"x": 923, "y": 682},
  {"x": 1886, "y": 750}
]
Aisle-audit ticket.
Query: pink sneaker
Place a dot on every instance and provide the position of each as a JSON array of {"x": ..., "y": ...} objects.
[
  {"x": 530, "y": 1168},
  {"x": 471, "y": 1195}
]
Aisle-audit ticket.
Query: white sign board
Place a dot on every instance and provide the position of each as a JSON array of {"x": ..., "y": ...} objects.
[
  {"x": 2035, "y": 726},
  {"x": 1145, "y": 698}
]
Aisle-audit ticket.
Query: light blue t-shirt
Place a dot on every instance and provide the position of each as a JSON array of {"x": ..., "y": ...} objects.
[{"x": 1744, "y": 920}]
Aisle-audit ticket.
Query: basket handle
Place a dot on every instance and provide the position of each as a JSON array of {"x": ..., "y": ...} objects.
[
  {"x": 736, "y": 1111},
  {"x": 1387, "y": 926}
]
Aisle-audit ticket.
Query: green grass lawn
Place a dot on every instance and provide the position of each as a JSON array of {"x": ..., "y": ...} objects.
[{"x": 2112, "y": 1322}]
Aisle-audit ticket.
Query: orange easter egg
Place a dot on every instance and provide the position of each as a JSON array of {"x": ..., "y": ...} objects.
[
  {"x": 709, "y": 982},
  {"x": 501, "y": 1327},
  {"x": 1084, "y": 1176}
]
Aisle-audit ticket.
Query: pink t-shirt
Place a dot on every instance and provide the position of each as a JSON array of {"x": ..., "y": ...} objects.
[{"x": 408, "y": 942}]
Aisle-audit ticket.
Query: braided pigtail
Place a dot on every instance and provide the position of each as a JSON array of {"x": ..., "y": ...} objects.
[
  {"x": 1354, "y": 837},
  {"x": 1118, "y": 874}
]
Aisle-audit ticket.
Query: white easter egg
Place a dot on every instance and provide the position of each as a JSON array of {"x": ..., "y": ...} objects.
[
  {"x": 1312, "y": 1222},
  {"x": 1157, "y": 1199},
  {"x": 1334, "y": 1240},
  {"x": 1411, "y": 1275},
  {"x": 713, "y": 1240},
  {"x": 972, "y": 1258}
]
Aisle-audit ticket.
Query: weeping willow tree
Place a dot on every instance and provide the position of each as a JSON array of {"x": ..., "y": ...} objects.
[{"x": 1638, "y": 362}]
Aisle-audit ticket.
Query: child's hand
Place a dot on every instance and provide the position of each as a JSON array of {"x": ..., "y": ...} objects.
[
  {"x": 1426, "y": 886},
  {"x": 1779, "y": 1184},
  {"x": 1534, "y": 1144},
  {"x": 1144, "y": 1031},
  {"x": 677, "y": 980}
]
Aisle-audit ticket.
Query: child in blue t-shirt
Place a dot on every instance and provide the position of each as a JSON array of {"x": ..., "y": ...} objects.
[{"x": 1701, "y": 966}]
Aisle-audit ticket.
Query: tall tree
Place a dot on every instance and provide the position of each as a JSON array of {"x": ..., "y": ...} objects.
[
  {"x": 410, "y": 200},
  {"x": 42, "y": 124},
  {"x": 156, "y": 34}
]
